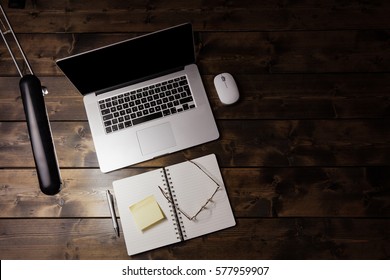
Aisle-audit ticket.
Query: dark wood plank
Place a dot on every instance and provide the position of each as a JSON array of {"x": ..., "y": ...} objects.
[
  {"x": 258, "y": 52},
  {"x": 295, "y": 238},
  {"x": 253, "y": 192},
  {"x": 242, "y": 143},
  {"x": 263, "y": 96},
  {"x": 309, "y": 192},
  {"x": 294, "y": 52},
  {"x": 121, "y": 16}
]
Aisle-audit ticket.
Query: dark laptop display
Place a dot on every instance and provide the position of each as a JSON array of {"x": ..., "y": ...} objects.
[{"x": 121, "y": 64}]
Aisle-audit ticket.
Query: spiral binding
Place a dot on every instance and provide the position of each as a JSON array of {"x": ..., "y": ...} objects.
[{"x": 175, "y": 215}]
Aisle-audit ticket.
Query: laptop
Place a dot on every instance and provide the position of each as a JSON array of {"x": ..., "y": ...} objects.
[{"x": 144, "y": 97}]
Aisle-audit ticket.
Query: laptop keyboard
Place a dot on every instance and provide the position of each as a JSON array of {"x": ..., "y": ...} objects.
[{"x": 145, "y": 104}]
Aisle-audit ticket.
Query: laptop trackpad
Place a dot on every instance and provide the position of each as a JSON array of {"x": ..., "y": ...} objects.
[{"x": 156, "y": 138}]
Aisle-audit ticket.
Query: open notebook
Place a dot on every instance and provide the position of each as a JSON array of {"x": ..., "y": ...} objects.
[{"x": 152, "y": 217}]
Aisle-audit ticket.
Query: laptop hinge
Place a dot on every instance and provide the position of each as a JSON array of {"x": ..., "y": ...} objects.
[{"x": 133, "y": 82}]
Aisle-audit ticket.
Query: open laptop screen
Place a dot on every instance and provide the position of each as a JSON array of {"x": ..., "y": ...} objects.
[{"x": 130, "y": 61}]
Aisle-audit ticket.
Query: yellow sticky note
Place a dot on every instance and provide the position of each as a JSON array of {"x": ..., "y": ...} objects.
[{"x": 146, "y": 212}]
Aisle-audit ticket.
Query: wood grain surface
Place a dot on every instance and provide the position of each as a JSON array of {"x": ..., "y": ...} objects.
[{"x": 305, "y": 153}]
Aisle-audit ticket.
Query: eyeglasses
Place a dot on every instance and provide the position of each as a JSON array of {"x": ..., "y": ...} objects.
[{"x": 204, "y": 206}]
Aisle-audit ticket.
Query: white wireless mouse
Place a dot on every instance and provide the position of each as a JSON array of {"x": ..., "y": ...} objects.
[{"x": 226, "y": 88}]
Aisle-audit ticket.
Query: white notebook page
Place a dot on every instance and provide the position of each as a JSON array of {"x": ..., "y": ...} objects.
[
  {"x": 132, "y": 190},
  {"x": 192, "y": 188}
]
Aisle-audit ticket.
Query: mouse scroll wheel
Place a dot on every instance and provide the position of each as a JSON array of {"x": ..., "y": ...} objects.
[{"x": 223, "y": 78}]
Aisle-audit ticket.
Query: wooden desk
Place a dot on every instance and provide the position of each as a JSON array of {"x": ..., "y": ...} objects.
[{"x": 305, "y": 154}]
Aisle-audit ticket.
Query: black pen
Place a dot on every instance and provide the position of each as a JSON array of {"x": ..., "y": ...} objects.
[{"x": 112, "y": 211}]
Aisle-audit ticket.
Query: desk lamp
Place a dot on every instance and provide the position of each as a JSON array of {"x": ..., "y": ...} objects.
[{"x": 38, "y": 125}]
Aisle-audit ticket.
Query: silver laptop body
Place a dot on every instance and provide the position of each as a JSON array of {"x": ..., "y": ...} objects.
[{"x": 164, "y": 105}]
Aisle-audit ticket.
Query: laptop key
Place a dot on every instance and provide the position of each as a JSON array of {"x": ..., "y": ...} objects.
[
  {"x": 107, "y": 117},
  {"x": 105, "y": 111},
  {"x": 186, "y": 100},
  {"x": 147, "y": 118}
]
